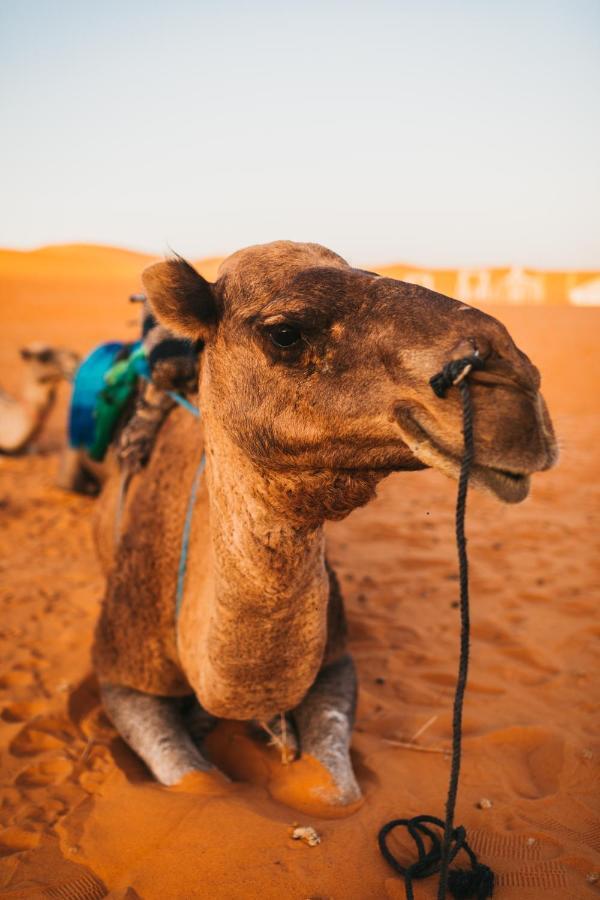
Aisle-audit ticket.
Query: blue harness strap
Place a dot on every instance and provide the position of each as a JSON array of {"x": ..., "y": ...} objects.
[
  {"x": 184, "y": 402},
  {"x": 185, "y": 539},
  {"x": 187, "y": 527}
]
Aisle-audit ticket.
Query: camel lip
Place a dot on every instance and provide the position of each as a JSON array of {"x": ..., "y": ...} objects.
[
  {"x": 511, "y": 487},
  {"x": 516, "y": 476},
  {"x": 507, "y": 485}
]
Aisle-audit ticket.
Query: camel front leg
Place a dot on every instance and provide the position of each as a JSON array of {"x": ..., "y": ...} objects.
[
  {"x": 324, "y": 722},
  {"x": 154, "y": 728}
]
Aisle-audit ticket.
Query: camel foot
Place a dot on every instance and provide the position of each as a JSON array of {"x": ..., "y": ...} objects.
[
  {"x": 241, "y": 751},
  {"x": 309, "y": 786},
  {"x": 154, "y": 728},
  {"x": 324, "y": 723}
]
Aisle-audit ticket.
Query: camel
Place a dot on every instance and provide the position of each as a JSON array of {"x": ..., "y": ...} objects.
[
  {"x": 22, "y": 420},
  {"x": 313, "y": 387}
]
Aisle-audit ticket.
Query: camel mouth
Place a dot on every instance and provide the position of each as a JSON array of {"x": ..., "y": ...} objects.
[
  {"x": 507, "y": 485},
  {"x": 511, "y": 487}
]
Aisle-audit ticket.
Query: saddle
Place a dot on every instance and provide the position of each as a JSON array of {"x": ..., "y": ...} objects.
[{"x": 123, "y": 392}]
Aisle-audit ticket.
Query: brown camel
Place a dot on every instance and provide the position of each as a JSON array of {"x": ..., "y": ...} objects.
[
  {"x": 314, "y": 386},
  {"x": 21, "y": 420}
]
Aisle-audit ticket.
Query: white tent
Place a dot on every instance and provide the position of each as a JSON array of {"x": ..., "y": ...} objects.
[{"x": 586, "y": 294}]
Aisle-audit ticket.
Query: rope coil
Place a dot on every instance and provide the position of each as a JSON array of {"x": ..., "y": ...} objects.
[{"x": 478, "y": 881}]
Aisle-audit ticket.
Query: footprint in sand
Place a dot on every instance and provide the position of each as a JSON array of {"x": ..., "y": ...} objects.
[
  {"x": 88, "y": 887},
  {"x": 15, "y": 840},
  {"x": 46, "y": 772},
  {"x": 97, "y": 727},
  {"x": 504, "y": 640},
  {"x": 448, "y": 680},
  {"x": 98, "y": 765},
  {"x": 16, "y": 678},
  {"x": 36, "y": 810},
  {"x": 530, "y": 865},
  {"x": 580, "y": 827},
  {"x": 537, "y": 881},
  {"x": 520, "y": 848},
  {"x": 43, "y": 733},
  {"x": 533, "y": 758},
  {"x": 22, "y": 712}
]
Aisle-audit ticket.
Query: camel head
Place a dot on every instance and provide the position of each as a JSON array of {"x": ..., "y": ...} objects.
[
  {"x": 48, "y": 365},
  {"x": 313, "y": 367}
]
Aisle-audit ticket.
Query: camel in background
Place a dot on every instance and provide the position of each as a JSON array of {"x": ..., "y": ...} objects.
[{"x": 22, "y": 419}]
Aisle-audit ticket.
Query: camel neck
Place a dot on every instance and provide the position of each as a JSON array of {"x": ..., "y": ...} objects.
[
  {"x": 36, "y": 402},
  {"x": 251, "y": 532},
  {"x": 259, "y": 623},
  {"x": 38, "y": 395}
]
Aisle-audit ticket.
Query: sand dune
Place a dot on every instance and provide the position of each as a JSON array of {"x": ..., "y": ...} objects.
[
  {"x": 86, "y": 285},
  {"x": 79, "y": 816}
]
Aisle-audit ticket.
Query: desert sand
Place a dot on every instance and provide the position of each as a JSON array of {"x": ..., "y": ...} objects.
[{"x": 79, "y": 815}]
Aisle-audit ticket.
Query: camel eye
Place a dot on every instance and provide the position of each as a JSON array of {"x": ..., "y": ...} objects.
[{"x": 284, "y": 336}]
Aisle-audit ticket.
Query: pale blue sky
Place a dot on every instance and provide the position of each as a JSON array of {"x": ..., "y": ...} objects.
[{"x": 458, "y": 132}]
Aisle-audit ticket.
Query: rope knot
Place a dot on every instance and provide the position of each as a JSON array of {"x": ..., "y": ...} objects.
[
  {"x": 476, "y": 882},
  {"x": 454, "y": 372}
]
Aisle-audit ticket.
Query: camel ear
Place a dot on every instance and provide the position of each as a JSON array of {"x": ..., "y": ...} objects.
[{"x": 181, "y": 298}]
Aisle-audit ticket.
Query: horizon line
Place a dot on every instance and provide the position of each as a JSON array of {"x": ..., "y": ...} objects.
[{"x": 213, "y": 256}]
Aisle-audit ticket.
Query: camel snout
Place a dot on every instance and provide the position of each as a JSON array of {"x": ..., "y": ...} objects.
[{"x": 548, "y": 435}]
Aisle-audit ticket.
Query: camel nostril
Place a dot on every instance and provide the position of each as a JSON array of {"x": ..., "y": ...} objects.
[
  {"x": 478, "y": 346},
  {"x": 483, "y": 348}
]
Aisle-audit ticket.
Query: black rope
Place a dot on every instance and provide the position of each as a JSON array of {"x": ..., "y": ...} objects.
[
  {"x": 478, "y": 881},
  {"x": 453, "y": 373}
]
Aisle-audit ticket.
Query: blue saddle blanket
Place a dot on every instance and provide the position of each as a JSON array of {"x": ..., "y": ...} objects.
[{"x": 90, "y": 381}]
